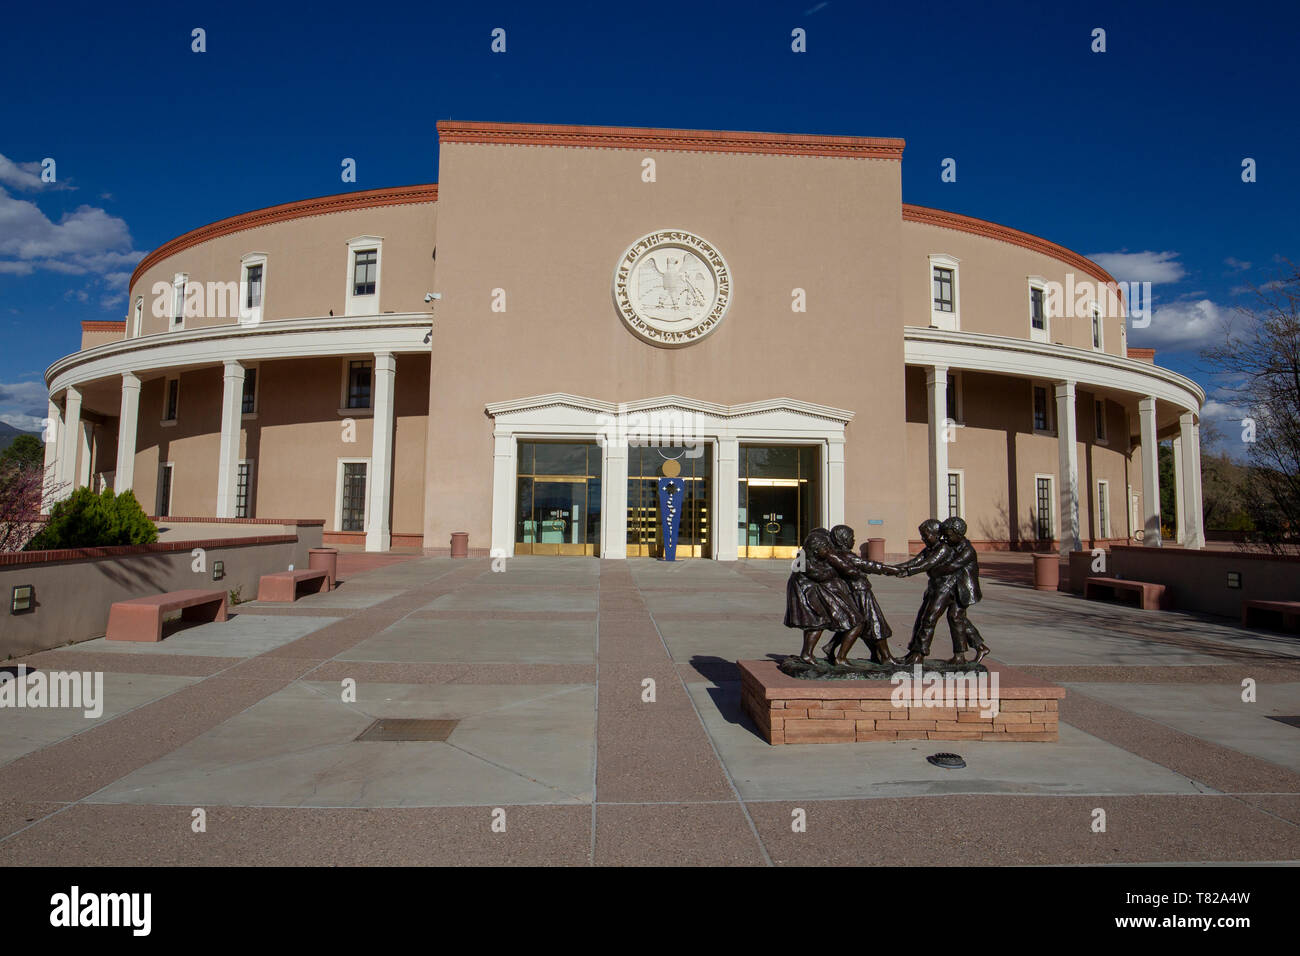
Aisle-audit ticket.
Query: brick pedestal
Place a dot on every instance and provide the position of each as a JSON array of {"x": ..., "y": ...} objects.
[{"x": 791, "y": 711}]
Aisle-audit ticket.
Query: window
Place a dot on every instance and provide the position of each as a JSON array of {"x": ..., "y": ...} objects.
[
  {"x": 241, "y": 489},
  {"x": 943, "y": 289},
  {"x": 1103, "y": 509},
  {"x": 359, "y": 373},
  {"x": 953, "y": 395},
  {"x": 1043, "y": 496},
  {"x": 352, "y": 495},
  {"x": 944, "y": 293},
  {"x": 1037, "y": 310},
  {"x": 171, "y": 402},
  {"x": 253, "y": 288},
  {"x": 138, "y": 324},
  {"x": 365, "y": 262},
  {"x": 1099, "y": 411},
  {"x": 164, "y": 490},
  {"x": 250, "y": 391},
  {"x": 179, "y": 284},
  {"x": 1096, "y": 328},
  {"x": 1042, "y": 409},
  {"x": 954, "y": 494}
]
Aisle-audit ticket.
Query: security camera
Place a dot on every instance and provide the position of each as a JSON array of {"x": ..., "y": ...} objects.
[{"x": 430, "y": 296}]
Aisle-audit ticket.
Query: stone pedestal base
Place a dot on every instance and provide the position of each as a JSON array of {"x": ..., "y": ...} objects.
[{"x": 791, "y": 711}]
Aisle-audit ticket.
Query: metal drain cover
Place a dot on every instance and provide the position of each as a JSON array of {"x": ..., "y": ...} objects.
[
  {"x": 407, "y": 728},
  {"x": 949, "y": 761}
]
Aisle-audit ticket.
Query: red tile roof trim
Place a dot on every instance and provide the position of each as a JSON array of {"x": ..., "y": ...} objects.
[
  {"x": 692, "y": 140},
  {"x": 98, "y": 326}
]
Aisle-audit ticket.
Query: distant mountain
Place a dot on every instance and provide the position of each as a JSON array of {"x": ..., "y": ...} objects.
[{"x": 8, "y": 433}]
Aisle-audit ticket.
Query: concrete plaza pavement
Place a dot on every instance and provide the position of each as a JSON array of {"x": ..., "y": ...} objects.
[{"x": 545, "y": 668}]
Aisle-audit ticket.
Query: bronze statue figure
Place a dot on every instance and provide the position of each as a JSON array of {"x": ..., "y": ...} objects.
[{"x": 829, "y": 589}]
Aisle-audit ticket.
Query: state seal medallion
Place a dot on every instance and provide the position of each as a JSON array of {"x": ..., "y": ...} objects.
[{"x": 672, "y": 288}]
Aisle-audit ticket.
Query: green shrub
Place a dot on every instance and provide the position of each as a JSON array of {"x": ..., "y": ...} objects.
[{"x": 88, "y": 520}]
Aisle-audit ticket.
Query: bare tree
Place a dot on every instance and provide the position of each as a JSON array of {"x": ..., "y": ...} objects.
[{"x": 1258, "y": 363}]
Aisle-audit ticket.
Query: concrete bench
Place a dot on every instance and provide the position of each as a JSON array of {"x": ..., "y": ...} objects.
[
  {"x": 1149, "y": 597},
  {"x": 283, "y": 585},
  {"x": 141, "y": 619},
  {"x": 1267, "y": 613}
]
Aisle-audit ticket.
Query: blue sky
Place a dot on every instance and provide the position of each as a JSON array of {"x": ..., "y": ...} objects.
[{"x": 1132, "y": 156}]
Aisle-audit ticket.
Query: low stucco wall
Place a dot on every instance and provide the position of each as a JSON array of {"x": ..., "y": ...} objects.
[
  {"x": 1197, "y": 580},
  {"x": 73, "y": 595}
]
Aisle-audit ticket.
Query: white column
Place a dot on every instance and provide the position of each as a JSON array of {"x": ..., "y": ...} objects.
[
  {"x": 378, "y": 532},
  {"x": 50, "y": 480},
  {"x": 232, "y": 404},
  {"x": 84, "y": 444},
  {"x": 936, "y": 408},
  {"x": 1180, "y": 505},
  {"x": 1068, "y": 459},
  {"x": 503, "y": 494},
  {"x": 127, "y": 423},
  {"x": 71, "y": 441},
  {"x": 613, "y": 487},
  {"x": 835, "y": 482},
  {"x": 725, "y": 517},
  {"x": 1189, "y": 482},
  {"x": 1150, "y": 473}
]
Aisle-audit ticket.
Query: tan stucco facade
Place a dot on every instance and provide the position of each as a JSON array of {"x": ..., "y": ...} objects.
[{"x": 827, "y": 333}]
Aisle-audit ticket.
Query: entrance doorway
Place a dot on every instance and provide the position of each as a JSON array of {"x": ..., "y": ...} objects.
[
  {"x": 777, "y": 499},
  {"x": 558, "y": 495},
  {"x": 644, "y": 528}
]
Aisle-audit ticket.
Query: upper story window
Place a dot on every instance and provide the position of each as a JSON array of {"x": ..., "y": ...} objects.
[
  {"x": 252, "y": 287},
  {"x": 1038, "y": 317},
  {"x": 179, "y": 284},
  {"x": 365, "y": 267},
  {"x": 1096, "y": 328},
  {"x": 137, "y": 325},
  {"x": 944, "y": 304}
]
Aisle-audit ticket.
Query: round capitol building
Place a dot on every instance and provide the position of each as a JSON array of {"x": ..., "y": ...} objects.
[{"x": 522, "y": 350}]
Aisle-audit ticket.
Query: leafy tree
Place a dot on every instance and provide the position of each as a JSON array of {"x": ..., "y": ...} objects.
[
  {"x": 1258, "y": 363},
  {"x": 88, "y": 520},
  {"x": 25, "y": 450}
]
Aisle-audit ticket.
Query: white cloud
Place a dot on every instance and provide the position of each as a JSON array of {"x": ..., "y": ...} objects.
[
  {"x": 26, "y": 176},
  {"x": 1153, "y": 267},
  {"x": 86, "y": 241},
  {"x": 1186, "y": 325},
  {"x": 1236, "y": 264},
  {"x": 24, "y": 404}
]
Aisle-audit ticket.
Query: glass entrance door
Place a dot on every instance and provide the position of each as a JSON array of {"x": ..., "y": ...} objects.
[
  {"x": 777, "y": 499},
  {"x": 644, "y": 528},
  {"x": 558, "y": 498}
]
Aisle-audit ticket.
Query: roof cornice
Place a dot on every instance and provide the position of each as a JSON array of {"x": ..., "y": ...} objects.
[
  {"x": 302, "y": 208},
  {"x": 684, "y": 140}
]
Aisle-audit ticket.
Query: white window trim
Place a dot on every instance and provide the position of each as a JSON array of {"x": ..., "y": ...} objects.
[
  {"x": 1050, "y": 389},
  {"x": 364, "y": 304},
  {"x": 1044, "y": 334},
  {"x": 961, "y": 490},
  {"x": 257, "y": 391},
  {"x": 343, "y": 409},
  {"x": 950, "y": 321},
  {"x": 171, "y": 488},
  {"x": 1103, "y": 514},
  {"x": 1096, "y": 313},
  {"x": 250, "y": 462},
  {"x": 1097, "y": 433},
  {"x": 137, "y": 324},
  {"x": 338, "y": 494},
  {"x": 1052, "y": 509},
  {"x": 181, "y": 284},
  {"x": 251, "y": 316},
  {"x": 163, "y": 420}
]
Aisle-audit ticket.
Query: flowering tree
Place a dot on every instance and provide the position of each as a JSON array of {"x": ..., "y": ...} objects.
[{"x": 22, "y": 486}]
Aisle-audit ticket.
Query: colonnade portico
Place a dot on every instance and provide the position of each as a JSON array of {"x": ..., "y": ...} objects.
[
  {"x": 125, "y": 365},
  {"x": 1065, "y": 368}
]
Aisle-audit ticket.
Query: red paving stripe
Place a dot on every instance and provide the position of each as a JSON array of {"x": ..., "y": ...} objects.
[
  {"x": 1221, "y": 768},
  {"x": 1014, "y": 830},
  {"x": 389, "y": 672},
  {"x": 290, "y": 610},
  {"x": 77, "y": 766},
  {"x": 126, "y": 835},
  {"x": 1184, "y": 674},
  {"x": 488, "y": 615},
  {"x": 17, "y": 814},
  {"x": 699, "y": 834}
]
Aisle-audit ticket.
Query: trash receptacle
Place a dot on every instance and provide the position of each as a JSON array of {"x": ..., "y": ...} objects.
[
  {"x": 1047, "y": 572},
  {"x": 460, "y": 544},
  {"x": 327, "y": 560},
  {"x": 876, "y": 549}
]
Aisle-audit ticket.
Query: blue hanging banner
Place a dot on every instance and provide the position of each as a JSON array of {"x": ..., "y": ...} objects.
[{"x": 670, "y": 513}]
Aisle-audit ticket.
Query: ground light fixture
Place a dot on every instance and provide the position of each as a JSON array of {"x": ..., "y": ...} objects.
[{"x": 23, "y": 599}]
